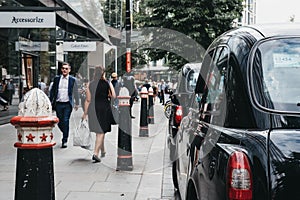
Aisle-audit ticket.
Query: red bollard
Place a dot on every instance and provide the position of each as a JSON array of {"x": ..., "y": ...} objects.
[
  {"x": 144, "y": 116},
  {"x": 124, "y": 160},
  {"x": 150, "y": 106},
  {"x": 34, "y": 124}
]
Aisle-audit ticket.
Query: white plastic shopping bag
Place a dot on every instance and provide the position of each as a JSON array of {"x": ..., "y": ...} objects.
[{"x": 82, "y": 136}]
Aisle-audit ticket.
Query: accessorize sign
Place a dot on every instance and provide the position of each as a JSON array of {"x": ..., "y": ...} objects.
[
  {"x": 27, "y": 20},
  {"x": 79, "y": 46}
]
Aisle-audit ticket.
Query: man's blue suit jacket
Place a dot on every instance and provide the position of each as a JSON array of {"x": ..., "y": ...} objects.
[{"x": 72, "y": 91}]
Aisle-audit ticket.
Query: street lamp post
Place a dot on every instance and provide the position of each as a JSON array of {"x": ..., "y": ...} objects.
[
  {"x": 124, "y": 161},
  {"x": 128, "y": 36}
]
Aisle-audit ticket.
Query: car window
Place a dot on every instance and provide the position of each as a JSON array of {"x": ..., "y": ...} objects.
[
  {"x": 215, "y": 80},
  {"x": 276, "y": 72},
  {"x": 201, "y": 84},
  {"x": 214, "y": 97},
  {"x": 192, "y": 80},
  {"x": 195, "y": 102},
  {"x": 187, "y": 79}
]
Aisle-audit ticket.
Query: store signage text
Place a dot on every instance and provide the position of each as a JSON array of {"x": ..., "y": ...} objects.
[
  {"x": 32, "y": 46},
  {"x": 27, "y": 20},
  {"x": 79, "y": 46}
]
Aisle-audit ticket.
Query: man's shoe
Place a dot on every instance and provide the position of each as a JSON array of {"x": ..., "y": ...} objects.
[
  {"x": 132, "y": 117},
  {"x": 64, "y": 145}
]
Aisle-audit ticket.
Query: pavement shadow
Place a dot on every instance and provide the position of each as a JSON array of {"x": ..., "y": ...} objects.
[{"x": 81, "y": 160}]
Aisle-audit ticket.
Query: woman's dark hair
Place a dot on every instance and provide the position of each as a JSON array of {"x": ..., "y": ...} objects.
[{"x": 99, "y": 73}]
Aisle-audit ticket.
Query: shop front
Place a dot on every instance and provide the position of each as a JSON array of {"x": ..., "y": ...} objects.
[{"x": 31, "y": 33}]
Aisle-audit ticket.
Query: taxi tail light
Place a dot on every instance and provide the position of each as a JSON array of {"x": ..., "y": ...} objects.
[
  {"x": 178, "y": 114},
  {"x": 240, "y": 182}
]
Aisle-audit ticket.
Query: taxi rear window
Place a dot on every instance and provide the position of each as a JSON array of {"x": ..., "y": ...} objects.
[{"x": 276, "y": 74}]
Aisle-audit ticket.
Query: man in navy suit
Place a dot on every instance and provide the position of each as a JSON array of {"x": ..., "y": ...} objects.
[{"x": 62, "y": 95}]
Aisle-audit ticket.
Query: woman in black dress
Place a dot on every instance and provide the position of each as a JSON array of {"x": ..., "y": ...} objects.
[{"x": 97, "y": 107}]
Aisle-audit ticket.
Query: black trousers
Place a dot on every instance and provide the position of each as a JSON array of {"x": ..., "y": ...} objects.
[{"x": 131, "y": 100}]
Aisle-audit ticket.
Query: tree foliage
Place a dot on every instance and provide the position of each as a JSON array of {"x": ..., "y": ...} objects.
[{"x": 200, "y": 20}]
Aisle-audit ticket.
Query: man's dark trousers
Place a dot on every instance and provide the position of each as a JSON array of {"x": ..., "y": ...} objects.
[{"x": 63, "y": 112}]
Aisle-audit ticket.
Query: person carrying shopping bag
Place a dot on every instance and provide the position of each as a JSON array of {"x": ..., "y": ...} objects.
[{"x": 98, "y": 110}]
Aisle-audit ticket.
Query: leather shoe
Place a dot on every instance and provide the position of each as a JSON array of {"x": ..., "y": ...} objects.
[
  {"x": 64, "y": 145},
  {"x": 96, "y": 159},
  {"x": 132, "y": 117}
]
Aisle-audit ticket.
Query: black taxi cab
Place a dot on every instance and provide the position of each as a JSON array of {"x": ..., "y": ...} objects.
[
  {"x": 180, "y": 99},
  {"x": 241, "y": 137}
]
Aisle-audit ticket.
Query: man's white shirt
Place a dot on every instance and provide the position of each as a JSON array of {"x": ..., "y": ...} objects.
[{"x": 63, "y": 86}]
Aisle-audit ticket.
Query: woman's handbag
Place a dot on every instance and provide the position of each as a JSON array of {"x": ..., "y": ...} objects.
[{"x": 82, "y": 136}]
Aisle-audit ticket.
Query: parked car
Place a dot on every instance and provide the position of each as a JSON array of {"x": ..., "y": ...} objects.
[
  {"x": 180, "y": 99},
  {"x": 241, "y": 137}
]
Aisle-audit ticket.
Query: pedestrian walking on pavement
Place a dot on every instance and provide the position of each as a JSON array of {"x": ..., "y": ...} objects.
[
  {"x": 147, "y": 84},
  {"x": 83, "y": 92},
  {"x": 64, "y": 92},
  {"x": 42, "y": 85},
  {"x": 115, "y": 82},
  {"x": 4, "y": 96},
  {"x": 98, "y": 110},
  {"x": 155, "y": 91},
  {"x": 11, "y": 90},
  {"x": 115, "y": 101},
  {"x": 162, "y": 89},
  {"x": 129, "y": 83}
]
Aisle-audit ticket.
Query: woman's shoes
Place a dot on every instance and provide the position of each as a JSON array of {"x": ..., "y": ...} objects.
[
  {"x": 96, "y": 159},
  {"x": 103, "y": 154},
  {"x": 5, "y": 108}
]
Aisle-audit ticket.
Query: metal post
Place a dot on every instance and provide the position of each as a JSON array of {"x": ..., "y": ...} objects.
[
  {"x": 144, "y": 116},
  {"x": 150, "y": 106},
  {"x": 34, "y": 171},
  {"x": 124, "y": 160},
  {"x": 128, "y": 36}
]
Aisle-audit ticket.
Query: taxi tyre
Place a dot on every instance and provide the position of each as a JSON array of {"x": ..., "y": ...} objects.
[
  {"x": 172, "y": 152},
  {"x": 167, "y": 109},
  {"x": 174, "y": 174},
  {"x": 191, "y": 192}
]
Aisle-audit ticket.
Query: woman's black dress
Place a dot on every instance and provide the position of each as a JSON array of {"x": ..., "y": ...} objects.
[{"x": 99, "y": 111}]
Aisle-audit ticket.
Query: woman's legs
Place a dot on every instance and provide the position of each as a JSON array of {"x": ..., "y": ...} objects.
[
  {"x": 102, "y": 145},
  {"x": 99, "y": 143}
]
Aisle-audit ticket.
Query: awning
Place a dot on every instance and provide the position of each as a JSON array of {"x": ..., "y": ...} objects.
[
  {"x": 88, "y": 13},
  {"x": 83, "y": 18}
]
